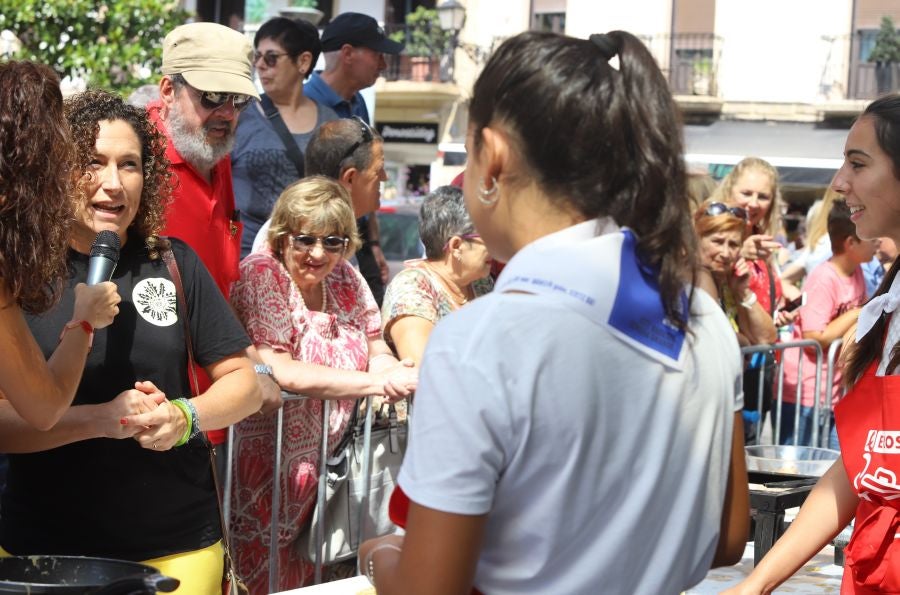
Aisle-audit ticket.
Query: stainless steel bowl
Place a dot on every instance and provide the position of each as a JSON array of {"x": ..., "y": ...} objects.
[{"x": 795, "y": 460}]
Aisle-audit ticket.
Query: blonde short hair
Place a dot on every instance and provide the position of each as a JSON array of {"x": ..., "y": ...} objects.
[{"x": 316, "y": 205}]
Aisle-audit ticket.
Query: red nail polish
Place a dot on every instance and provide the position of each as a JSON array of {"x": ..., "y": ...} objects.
[{"x": 123, "y": 421}]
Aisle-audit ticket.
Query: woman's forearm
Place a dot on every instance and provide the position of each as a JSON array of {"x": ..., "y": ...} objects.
[
  {"x": 323, "y": 382},
  {"x": 756, "y": 324},
  {"x": 19, "y": 436},
  {"x": 827, "y": 510},
  {"x": 233, "y": 395}
]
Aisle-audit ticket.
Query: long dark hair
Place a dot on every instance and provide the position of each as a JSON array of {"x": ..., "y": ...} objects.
[
  {"x": 35, "y": 176},
  {"x": 607, "y": 141},
  {"x": 885, "y": 115}
]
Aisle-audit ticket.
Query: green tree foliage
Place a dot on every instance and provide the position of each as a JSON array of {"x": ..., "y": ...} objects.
[
  {"x": 113, "y": 44},
  {"x": 887, "y": 43},
  {"x": 423, "y": 35}
]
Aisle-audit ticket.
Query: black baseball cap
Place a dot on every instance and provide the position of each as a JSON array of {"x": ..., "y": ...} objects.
[{"x": 358, "y": 30}]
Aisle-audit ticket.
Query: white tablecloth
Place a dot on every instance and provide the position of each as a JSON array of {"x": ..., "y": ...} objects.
[{"x": 358, "y": 585}]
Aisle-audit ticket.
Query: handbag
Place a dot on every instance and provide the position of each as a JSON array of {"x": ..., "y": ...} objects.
[
  {"x": 231, "y": 583},
  {"x": 359, "y": 483}
]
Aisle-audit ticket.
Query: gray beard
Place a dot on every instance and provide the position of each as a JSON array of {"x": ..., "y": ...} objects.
[{"x": 193, "y": 146}]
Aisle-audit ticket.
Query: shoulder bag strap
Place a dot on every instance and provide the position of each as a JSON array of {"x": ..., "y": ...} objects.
[
  {"x": 770, "y": 274},
  {"x": 169, "y": 259},
  {"x": 281, "y": 129}
]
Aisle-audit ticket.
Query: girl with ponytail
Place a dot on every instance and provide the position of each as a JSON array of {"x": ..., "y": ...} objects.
[{"x": 556, "y": 414}]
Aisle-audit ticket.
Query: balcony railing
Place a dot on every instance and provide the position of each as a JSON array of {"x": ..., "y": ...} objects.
[
  {"x": 690, "y": 61},
  {"x": 425, "y": 58}
]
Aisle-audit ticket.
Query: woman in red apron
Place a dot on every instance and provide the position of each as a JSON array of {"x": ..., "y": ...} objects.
[{"x": 863, "y": 484}]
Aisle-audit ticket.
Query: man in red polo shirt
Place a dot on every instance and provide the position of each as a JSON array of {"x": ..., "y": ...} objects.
[{"x": 206, "y": 83}]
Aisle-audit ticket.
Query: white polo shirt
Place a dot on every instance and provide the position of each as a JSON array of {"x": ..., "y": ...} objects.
[{"x": 600, "y": 461}]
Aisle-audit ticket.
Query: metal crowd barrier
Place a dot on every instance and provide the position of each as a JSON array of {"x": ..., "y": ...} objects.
[
  {"x": 319, "y": 529},
  {"x": 821, "y": 418}
]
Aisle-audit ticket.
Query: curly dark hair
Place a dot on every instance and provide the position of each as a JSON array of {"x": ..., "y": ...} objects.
[
  {"x": 84, "y": 112},
  {"x": 35, "y": 177}
]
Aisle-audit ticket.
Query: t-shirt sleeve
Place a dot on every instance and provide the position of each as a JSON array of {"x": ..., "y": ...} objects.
[
  {"x": 262, "y": 303},
  {"x": 216, "y": 332},
  {"x": 409, "y": 294},
  {"x": 820, "y": 305},
  {"x": 458, "y": 441}
]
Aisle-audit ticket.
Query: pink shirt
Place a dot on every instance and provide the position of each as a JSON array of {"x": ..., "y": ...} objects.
[{"x": 828, "y": 295}]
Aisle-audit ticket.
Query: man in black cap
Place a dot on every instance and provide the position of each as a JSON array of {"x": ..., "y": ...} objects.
[{"x": 354, "y": 46}]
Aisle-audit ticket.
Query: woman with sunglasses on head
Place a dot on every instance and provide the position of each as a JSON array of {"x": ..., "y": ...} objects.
[
  {"x": 721, "y": 230},
  {"x": 455, "y": 271},
  {"x": 262, "y": 166},
  {"x": 555, "y": 412},
  {"x": 861, "y": 485},
  {"x": 150, "y": 498},
  {"x": 313, "y": 319}
]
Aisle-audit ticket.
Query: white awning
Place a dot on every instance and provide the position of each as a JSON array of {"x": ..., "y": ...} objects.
[{"x": 804, "y": 154}]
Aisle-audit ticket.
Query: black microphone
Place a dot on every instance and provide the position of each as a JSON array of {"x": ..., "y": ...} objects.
[{"x": 104, "y": 256}]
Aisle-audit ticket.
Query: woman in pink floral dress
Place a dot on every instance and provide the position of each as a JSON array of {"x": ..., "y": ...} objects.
[{"x": 315, "y": 322}]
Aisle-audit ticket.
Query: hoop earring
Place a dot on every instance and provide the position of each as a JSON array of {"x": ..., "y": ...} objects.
[{"x": 484, "y": 194}]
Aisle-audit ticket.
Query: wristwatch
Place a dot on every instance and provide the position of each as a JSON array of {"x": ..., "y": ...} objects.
[{"x": 264, "y": 369}]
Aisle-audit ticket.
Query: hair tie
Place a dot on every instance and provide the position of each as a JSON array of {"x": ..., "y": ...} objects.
[{"x": 606, "y": 44}]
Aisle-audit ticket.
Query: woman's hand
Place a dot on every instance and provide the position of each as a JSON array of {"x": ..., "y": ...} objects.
[
  {"x": 112, "y": 416},
  {"x": 160, "y": 428},
  {"x": 97, "y": 304},
  {"x": 399, "y": 380},
  {"x": 740, "y": 278},
  {"x": 759, "y": 247}
]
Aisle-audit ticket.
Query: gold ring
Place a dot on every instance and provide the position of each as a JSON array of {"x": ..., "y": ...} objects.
[{"x": 155, "y": 445}]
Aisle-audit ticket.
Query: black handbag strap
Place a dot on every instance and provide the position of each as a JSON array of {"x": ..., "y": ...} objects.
[
  {"x": 281, "y": 129},
  {"x": 169, "y": 259}
]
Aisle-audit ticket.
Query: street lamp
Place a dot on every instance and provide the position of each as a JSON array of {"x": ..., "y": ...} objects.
[{"x": 452, "y": 17}]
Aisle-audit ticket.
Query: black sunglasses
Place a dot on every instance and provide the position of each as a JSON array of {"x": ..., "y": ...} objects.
[
  {"x": 213, "y": 100},
  {"x": 269, "y": 58},
  {"x": 305, "y": 242},
  {"x": 718, "y": 208},
  {"x": 366, "y": 137}
]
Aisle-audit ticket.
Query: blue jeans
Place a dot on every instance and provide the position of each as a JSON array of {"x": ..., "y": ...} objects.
[{"x": 804, "y": 428}]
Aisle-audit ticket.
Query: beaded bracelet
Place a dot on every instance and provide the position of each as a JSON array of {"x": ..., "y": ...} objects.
[
  {"x": 188, "y": 422},
  {"x": 369, "y": 564},
  {"x": 195, "y": 421}
]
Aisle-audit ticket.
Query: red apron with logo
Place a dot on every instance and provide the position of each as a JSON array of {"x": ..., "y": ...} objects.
[{"x": 868, "y": 425}]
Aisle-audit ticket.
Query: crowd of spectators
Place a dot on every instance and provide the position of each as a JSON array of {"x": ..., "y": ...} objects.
[{"x": 249, "y": 267}]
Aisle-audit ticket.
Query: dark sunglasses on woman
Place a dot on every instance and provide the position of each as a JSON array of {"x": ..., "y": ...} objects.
[
  {"x": 270, "y": 59},
  {"x": 305, "y": 242},
  {"x": 718, "y": 208}
]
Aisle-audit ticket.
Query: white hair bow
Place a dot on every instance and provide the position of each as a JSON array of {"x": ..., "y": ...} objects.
[{"x": 871, "y": 312}]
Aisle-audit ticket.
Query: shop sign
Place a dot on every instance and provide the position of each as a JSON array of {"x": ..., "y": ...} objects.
[{"x": 408, "y": 132}]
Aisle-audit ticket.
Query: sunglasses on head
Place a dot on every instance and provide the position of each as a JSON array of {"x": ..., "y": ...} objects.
[
  {"x": 305, "y": 242},
  {"x": 269, "y": 58},
  {"x": 213, "y": 100},
  {"x": 718, "y": 208},
  {"x": 365, "y": 137}
]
